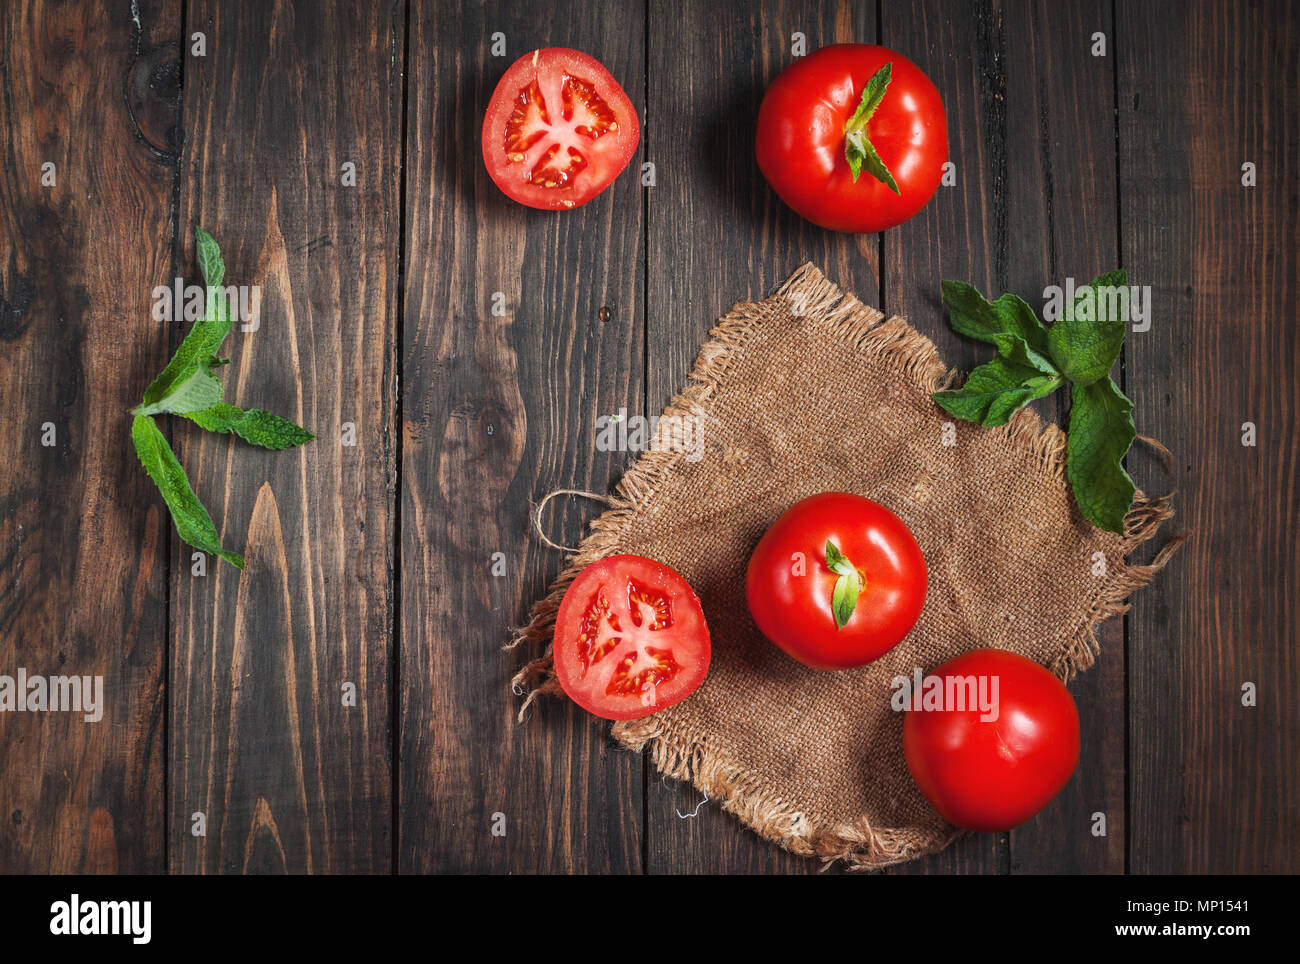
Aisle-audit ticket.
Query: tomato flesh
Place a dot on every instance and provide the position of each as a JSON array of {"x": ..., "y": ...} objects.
[
  {"x": 630, "y": 638},
  {"x": 558, "y": 130},
  {"x": 992, "y": 774}
]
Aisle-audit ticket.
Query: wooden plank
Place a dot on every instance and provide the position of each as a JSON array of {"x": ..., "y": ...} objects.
[
  {"x": 83, "y": 533},
  {"x": 717, "y": 235},
  {"x": 1061, "y": 208},
  {"x": 964, "y": 232},
  {"x": 1203, "y": 89},
  {"x": 288, "y": 776},
  {"x": 498, "y": 410}
]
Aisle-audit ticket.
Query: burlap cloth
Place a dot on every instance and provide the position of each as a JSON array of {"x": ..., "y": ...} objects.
[{"x": 810, "y": 391}]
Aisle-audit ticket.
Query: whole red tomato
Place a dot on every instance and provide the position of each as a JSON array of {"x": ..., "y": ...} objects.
[
  {"x": 992, "y": 774},
  {"x": 837, "y": 581},
  {"x": 853, "y": 137}
]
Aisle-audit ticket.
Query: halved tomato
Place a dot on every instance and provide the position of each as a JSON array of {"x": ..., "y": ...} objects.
[
  {"x": 558, "y": 130},
  {"x": 630, "y": 638}
]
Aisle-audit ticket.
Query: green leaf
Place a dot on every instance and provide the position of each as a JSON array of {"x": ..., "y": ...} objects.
[
  {"x": 254, "y": 425},
  {"x": 872, "y": 95},
  {"x": 210, "y": 263},
  {"x": 197, "y": 351},
  {"x": 1111, "y": 279},
  {"x": 201, "y": 390},
  {"x": 192, "y": 520},
  {"x": 1101, "y": 431},
  {"x": 858, "y": 149},
  {"x": 847, "y": 588},
  {"x": 845, "y": 599},
  {"x": 861, "y": 154},
  {"x": 1015, "y": 349},
  {"x": 1085, "y": 349},
  {"x": 996, "y": 390},
  {"x": 836, "y": 561},
  {"x": 975, "y": 316}
]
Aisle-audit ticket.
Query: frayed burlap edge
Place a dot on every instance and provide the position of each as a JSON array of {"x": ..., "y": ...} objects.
[{"x": 841, "y": 316}]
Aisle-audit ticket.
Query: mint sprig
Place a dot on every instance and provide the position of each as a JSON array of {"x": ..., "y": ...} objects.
[
  {"x": 188, "y": 387},
  {"x": 1032, "y": 362}
]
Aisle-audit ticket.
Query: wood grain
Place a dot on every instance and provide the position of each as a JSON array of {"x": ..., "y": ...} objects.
[
  {"x": 717, "y": 235},
  {"x": 291, "y": 779},
  {"x": 373, "y": 563},
  {"x": 1060, "y": 208},
  {"x": 83, "y": 534},
  {"x": 497, "y": 411},
  {"x": 1203, "y": 89},
  {"x": 964, "y": 232}
]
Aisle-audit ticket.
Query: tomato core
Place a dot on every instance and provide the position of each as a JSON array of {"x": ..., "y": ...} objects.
[{"x": 643, "y": 665}]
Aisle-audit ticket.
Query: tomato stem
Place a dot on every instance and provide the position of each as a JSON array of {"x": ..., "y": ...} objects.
[
  {"x": 858, "y": 149},
  {"x": 847, "y": 588}
]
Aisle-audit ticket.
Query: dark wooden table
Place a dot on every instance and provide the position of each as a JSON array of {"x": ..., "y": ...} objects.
[{"x": 371, "y": 563}]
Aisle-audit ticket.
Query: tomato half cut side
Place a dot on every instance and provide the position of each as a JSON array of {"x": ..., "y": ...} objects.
[
  {"x": 630, "y": 638},
  {"x": 558, "y": 130}
]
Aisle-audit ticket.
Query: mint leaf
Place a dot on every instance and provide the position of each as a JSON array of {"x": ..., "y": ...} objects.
[
  {"x": 1101, "y": 431},
  {"x": 192, "y": 520},
  {"x": 975, "y": 316},
  {"x": 199, "y": 391},
  {"x": 1098, "y": 286},
  {"x": 1034, "y": 361},
  {"x": 210, "y": 263},
  {"x": 1015, "y": 349},
  {"x": 996, "y": 390},
  {"x": 872, "y": 95},
  {"x": 254, "y": 425},
  {"x": 1086, "y": 351},
  {"x": 874, "y": 166},
  {"x": 1085, "y": 348},
  {"x": 198, "y": 350},
  {"x": 858, "y": 149}
]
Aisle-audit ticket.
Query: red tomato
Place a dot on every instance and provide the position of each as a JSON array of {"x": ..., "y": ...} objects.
[
  {"x": 994, "y": 774},
  {"x": 810, "y": 118},
  {"x": 558, "y": 129},
  {"x": 814, "y": 556},
  {"x": 630, "y": 638}
]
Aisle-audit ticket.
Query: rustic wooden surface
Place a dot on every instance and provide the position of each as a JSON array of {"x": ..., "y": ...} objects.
[
  {"x": 289, "y": 778},
  {"x": 373, "y": 563}
]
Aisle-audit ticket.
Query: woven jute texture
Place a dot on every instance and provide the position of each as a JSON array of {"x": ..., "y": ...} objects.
[{"x": 812, "y": 391}]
